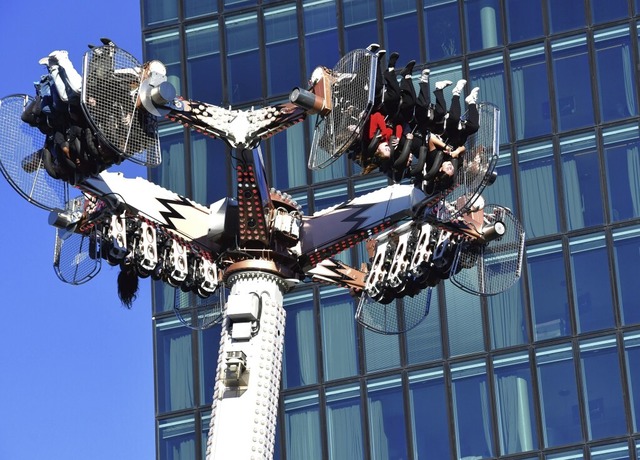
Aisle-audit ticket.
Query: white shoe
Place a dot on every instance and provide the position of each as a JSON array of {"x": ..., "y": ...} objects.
[
  {"x": 443, "y": 84},
  {"x": 472, "y": 98},
  {"x": 373, "y": 47},
  {"x": 424, "y": 76},
  {"x": 459, "y": 87}
]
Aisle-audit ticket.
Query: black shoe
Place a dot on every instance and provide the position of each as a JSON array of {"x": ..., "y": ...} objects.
[
  {"x": 408, "y": 69},
  {"x": 393, "y": 58}
]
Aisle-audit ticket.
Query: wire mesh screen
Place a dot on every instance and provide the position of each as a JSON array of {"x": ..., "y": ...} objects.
[
  {"x": 480, "y": 159},
  {"x": 76, "y": 257},
  {"x": 198, "y": 313},
  {"x": 109, "y": 98},
  {"x": 352, "y": 93},
  {"x": 395, "y": 317},
  {"x": 21, "y": 160},
  {"x": 491, "y": 268}
]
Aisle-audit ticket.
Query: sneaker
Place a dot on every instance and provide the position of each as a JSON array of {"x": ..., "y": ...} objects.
[
  {"x": 424, "y": 76},
  {"x": 459, "y": 87},
  {"x": 380, "y": 54},
  {"x": 406, "y": 71},
  {"x": 373, "y": 47},
  {"x": 472, "y": 98},
  {"x": 393, "y": 58},
  {"x": 443, "y": 84}
]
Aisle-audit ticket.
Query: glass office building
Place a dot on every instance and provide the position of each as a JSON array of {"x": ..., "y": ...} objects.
[{"x": 550, "y": 369}]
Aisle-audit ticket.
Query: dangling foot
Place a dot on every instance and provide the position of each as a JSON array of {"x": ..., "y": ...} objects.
[
  {"x": 424, "y": 76},
  {"x": 380, "y": 54},
  {"x": 393, "y": 58},
  {"x": 443, "y": 84},
  {"x": 472, "y": 98},
  {"x": 459, "y": 87},
  {"x": 373, "y": 47},
  {"x": 406, "y": 72}
]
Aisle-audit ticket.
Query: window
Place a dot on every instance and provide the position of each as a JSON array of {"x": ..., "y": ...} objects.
[
  {"x": 524, "y": 20},
  {"x": 204, "y": 69},
  {"x": 615, "y": 74},
  {"x": 243, "y": 59},
  {"x": 195, "y": 8},
  {"x": 177, "y": 438},
  {"x": 338, "y": 334},
  {"x": 622, "y": 162},
  {"x": 502, "y": 190},
  {"x": 157, "y": 13},
  {"x": 381, "y": 351},
  {"x": 507, "y": 318},
  {"x": 209, "y": 169},
  {"x": 174, "y": 364},
  {"x": 299, "y": 360},
  {"x": 566, "y": 15},
  {"x": 235, "y": 4},
  {"x": 344, "y": 423},
  {"x": 429, "y": 418},
  {"x": 442, "y": 21},
  {"x": 558, "y": 396},
  {"x": 399, "y": 17},
  {"x": 619, "y": 451},
  {"x": 472, "y": 411},
  {"x": 602, "y": 388},
  {"x": 360, "y": 24},
  {"x": 325, "y": 197},
  {"x": 464, "y": 320},
  {"x": 209, "y": 346},
  {"x": 591, "y": 288},
  {"x": 288, "y": 158},
  {"x": 530, "y": 96},
  {"x": 387, "y": 433},
  {"x": 606, "y": 10},
  {"x": 424, "y": 342},
  {"x": 547, "y": 282},
  {"x": 320, "y": 34},
  {"x": 165, "y": 47},
  {"x": 484, "y": 24},
  {"x": 626, "y": 254},
  {"x": 572, "y": 77},
  {"x": 281, "y": 49},
  {"x": 514, "y": 404},
  {"x": 632, "y": 354},
  {"x": 487, "y": 74},
  {"x": 581, "y": 180},
  {"x": 171, "y": 174},
  {"x": 302, "y": 426}
]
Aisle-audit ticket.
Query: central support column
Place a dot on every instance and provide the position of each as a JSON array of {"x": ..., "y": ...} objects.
[{"x": 245, "y": 400}]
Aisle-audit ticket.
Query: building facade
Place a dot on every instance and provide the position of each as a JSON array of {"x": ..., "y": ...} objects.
[{"x": 550, "y": 369}]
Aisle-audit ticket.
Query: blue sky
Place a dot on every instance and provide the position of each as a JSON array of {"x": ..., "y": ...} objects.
[{"x": 76, "y": 368}]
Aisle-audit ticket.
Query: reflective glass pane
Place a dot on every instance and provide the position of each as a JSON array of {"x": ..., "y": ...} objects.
[
  {"x": 591, "y": 288},
  {"x": 471, "y": 408},
  {"x": 502, "y": 190},
  {"x": 204, "y": 72},
  {"x": 194, "y": 8},
  {"x": 581, "y": 179},
  {"x": 387, "y": 434},
  {"x": 299, "y": 361},
  {"x": 602, "y": 388},
  {"x": 626, "y": 246},
  {"x": 171, "y": 174},
  {"x": 484, "y": 24},
  {"x": 302, "y": 426},
  {"x": 325, "y": 197},
  {"x": 399, "y": 17},
  {"x": 174, "y": 366},
  {"x": 614, "y": 64},
  {"x": 622, "y": 161},
  {"x": 558, "y": 396},
  {"x": 424, "y": 342},
  {"x": 157, "y": 13},
  {"x": 524, "y": 20},
  {"x": 282, "y": 49},
  {"x": 530, "y": 96},
  {"x": 381, "y": 351},
  {"x": 632, "y": 354},
  {"x": 539, "y": 192},
  {"x": 209, "y": 169},
  {"x": 338, "y": 334},
  {"x": 566, "y": 15},
  {"x": 608, "y": 10},
  {"x": 429, "y": 418},
  {"x": 344, "y": 423},
  {"x": 165, "y": 47},
  {"x": 288, "y": 159},
  {"x": 177, "y": 438},
  {"x": 572, "y": 76},
  {"x": 575, "y": 454},
  {"x": 515, "y": 408},
  {"x": 619, "y": 451},
  {"x": 360, "y": 25},
  {"x": 320, "y": 34},
  {"x": 209, "y": 346},
  {"x": 243, "y": 59},
  {"x": 205, "y": 420},
  {"x": 464, "y": 320},
  {"x": 442, "y": 21},
  {"x": 507, "y": 320},
  {"x": 488, "y": 75},
  {"x": 336, "y": 170},
  {"x": 230, "y": 5},
  {"x": 547, "y": 281}
]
